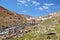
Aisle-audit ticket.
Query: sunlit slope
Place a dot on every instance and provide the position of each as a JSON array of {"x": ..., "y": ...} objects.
[
  {"x": 8, "y": 18},
  {"x": 45, "y": 27}
]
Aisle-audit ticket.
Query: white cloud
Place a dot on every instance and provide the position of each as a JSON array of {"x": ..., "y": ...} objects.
[
  {"x": 26, "y": 5},
  {"x": 45, "y": 7},
  {"x": 22, "y": 1},
  {"x": 48, "y": 4},
  {"x": 18, "y": 3},
  {"x": 40, "y": 8},
  {"x": 24, "y": 11},
  {"x": 28, "y": 0},
  {"x": 35, "y": 3}
]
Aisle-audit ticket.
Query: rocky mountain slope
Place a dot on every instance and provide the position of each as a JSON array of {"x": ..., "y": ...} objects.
[
  {"x": 48, "y": 28},
  {"x": 15, "y": 26},
  {"x": 9, "y": 20}
]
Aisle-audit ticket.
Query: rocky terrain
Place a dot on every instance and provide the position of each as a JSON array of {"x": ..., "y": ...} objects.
[{"x": 14, "y": 26}]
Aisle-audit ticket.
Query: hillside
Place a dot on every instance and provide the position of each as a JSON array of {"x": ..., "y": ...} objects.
[
  {"x": 9, "y": 18},
  {"x": 15, "y": 26}
]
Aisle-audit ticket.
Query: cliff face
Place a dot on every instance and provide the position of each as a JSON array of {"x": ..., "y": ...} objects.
[{"x": 14, "y": 25}]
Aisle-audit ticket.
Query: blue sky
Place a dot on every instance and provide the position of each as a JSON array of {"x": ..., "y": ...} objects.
[{"x": 31, "y": 7}]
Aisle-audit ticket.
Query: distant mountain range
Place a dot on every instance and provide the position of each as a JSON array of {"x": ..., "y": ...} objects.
[{"x": 14, "y": 25}]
